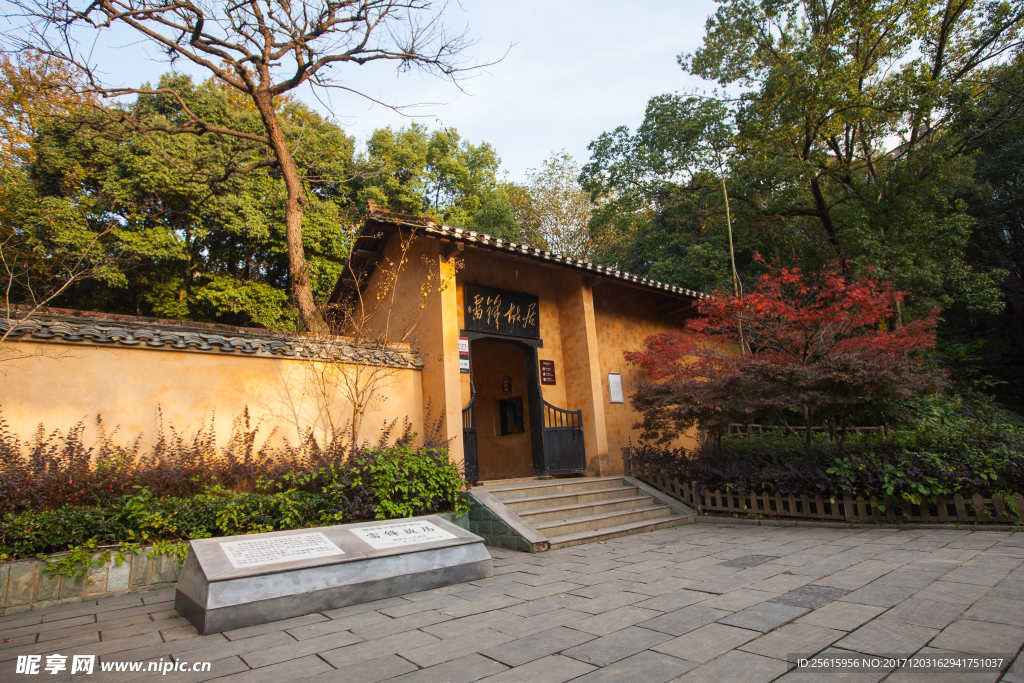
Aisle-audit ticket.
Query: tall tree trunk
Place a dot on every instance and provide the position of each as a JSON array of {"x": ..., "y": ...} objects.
[
  {"x": 821, "y": 204},
  {"x": 357, "y": 414},
  {"x": 295, "y": 206},
  {"x": 807, "y": 423}
]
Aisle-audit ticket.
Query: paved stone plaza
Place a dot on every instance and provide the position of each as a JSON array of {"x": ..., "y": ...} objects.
[{"x": 705, "y": 602}]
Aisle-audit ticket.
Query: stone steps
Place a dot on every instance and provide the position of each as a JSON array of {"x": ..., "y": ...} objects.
[
  {"x": 522, "y": 504},
  {"x": 538, "y": 516},
  {"x": 573, "y": 525},
  {"x": 564, "y": 512},
  {"x": 610, "y": 532},
  {"x": 552, "y": 487}
]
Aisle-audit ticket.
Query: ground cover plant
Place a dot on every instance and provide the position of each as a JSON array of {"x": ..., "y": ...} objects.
[{"x": 58, "y": 493}]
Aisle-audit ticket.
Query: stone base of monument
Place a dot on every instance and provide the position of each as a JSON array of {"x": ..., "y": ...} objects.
[{"x": 229, "y": 583}]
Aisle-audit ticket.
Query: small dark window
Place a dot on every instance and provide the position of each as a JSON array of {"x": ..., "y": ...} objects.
[{"x": 510, "y": 416}]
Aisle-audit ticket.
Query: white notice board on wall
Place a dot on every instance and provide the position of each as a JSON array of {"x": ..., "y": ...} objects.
[{"x": 615, "y": 388}]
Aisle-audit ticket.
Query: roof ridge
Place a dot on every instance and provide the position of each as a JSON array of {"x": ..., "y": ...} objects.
[{"x": 486, "y": 239}]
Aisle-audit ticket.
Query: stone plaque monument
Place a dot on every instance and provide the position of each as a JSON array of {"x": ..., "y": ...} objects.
[{"x": 229, "y": 583}]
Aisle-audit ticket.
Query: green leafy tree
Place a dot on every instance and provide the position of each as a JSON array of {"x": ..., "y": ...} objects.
[
  {"x": 839, "y": 145},
  {"x": 398, "y": 158},
  {"x": 47, "y": 246},
  {"x": 663, "y": 212},
  {"x": 459, "y": 175},
  {"x": 987, "y": 348},
  {"x": 199, "y": 238},
  {"x": 496, "y": 216},
  {"x": 556, "y": 210},
  {"x": 412, "y": 170}
]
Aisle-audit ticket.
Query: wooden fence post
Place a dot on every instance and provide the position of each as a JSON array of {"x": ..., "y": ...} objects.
[
  {"x": 979, "y": 508},
  {"x": 851, "y": 514},
  {"x": 961, "y": 510}
]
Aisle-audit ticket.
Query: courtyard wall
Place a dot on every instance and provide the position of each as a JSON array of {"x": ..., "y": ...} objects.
[{"x": 129, "y": 371}]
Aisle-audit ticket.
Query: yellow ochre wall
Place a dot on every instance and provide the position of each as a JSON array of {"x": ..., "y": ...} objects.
[
  {"x": 428, "y": 322},
  {"x": 582, "y": 372},
  {"x": 67, "y": 383},
  {"x": 584, "y": 330},
  {"x": 625, "y": 317}
]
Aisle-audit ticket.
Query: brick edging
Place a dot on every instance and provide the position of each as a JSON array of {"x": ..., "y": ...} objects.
[{"x": 26, "y": 584}]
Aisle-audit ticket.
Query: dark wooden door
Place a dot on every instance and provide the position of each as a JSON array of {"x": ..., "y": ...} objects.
[
  {"x": 563, "y": 441},
  {"x": 469, "y": 449}
]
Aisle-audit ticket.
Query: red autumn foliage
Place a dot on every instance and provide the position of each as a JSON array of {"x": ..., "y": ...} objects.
[{"x": 817, "y": 349}]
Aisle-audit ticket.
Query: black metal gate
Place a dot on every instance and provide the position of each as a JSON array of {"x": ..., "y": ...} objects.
[
  {"x": 469, "y": 449},
  {"x": 563, "y": 440}
]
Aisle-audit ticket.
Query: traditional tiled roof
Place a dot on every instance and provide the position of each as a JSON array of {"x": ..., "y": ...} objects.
[
  {"x": 498, "y": 244},
  {"x": 368, "y": 243},
  {"x": 184, "y": 336}
]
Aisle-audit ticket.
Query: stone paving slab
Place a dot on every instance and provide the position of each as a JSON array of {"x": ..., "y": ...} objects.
[
  {"x": 998, "y": 609},
  {"x": 930, "y": 613},
  {"x": 695, "y": 603},
  {"x": 553, "y": 669},
  {"x": 810, "y": 596},
  {"x": 737, "y": 666},
  {"x": 706, "y": 643},
  {"x": 619, "y": 645},
  {"x": 764, "y": 617}
]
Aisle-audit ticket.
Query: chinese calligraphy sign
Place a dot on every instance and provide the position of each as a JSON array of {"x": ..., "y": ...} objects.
[
  {"x": 502, "y": 312},
  {"x": 399, "y": 534}
]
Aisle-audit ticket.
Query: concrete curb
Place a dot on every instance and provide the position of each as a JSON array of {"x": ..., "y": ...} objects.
[
  {"x": 708, "y": 519},
  {"x": 678, "y": 507}
]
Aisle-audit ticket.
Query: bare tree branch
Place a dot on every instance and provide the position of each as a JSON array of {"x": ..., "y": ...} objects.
[{"x": 262, "y": 49}]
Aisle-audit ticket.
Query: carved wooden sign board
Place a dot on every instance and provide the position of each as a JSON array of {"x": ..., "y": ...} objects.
[{"x": 500, "y": 311}]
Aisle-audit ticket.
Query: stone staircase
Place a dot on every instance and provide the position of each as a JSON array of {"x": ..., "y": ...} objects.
[{"x": 557, "y": 513}]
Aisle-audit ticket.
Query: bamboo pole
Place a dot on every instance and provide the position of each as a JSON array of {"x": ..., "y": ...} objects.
[{"x": 732, "y": 258}]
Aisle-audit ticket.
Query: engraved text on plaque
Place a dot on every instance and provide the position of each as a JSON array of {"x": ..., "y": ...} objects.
[{"x": 260, "y": 551}]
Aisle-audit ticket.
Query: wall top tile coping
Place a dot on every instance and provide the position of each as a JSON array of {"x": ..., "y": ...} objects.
[{"x": 66, "y": 326}]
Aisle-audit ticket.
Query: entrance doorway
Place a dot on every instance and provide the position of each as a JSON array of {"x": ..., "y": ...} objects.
[
  {"x": 509, "y": 431},
  {"x": 503, "y": 400}
]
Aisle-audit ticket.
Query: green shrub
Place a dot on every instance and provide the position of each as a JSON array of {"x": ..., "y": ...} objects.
[
  {"x": 407, "y": 482},
  {"x": 385, "y": 482}
]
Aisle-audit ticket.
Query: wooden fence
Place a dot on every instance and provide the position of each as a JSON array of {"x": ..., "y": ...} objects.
[
  {"x": 845, "y": 508},
  {"x": 736, "y": 429}
]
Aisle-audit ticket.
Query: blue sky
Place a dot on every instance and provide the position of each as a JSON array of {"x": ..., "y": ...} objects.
[{"x": 576, "y": 68}]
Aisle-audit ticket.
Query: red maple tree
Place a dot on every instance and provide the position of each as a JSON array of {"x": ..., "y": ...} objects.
[{"x": 810, "y": 348}]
